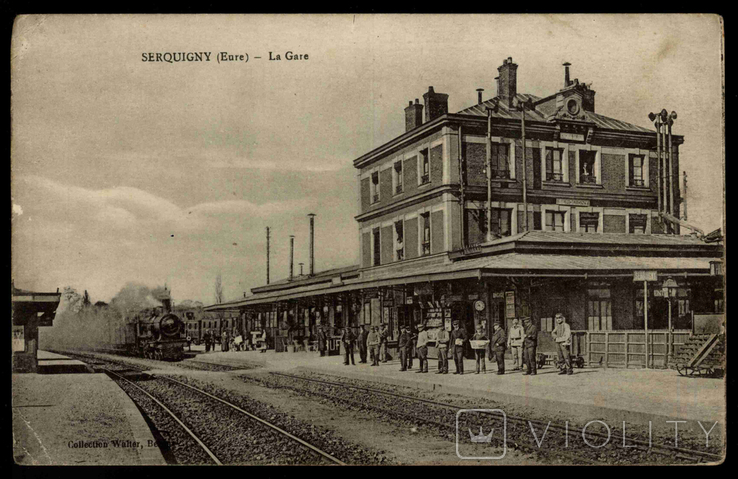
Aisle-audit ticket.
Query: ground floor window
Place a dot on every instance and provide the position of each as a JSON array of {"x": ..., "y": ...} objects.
[
  {"x": 554, "y": 221},
  {"x": 588, "y": 222},
  {"x": 637, "y": 224},
  {"x": 599, "y": 310}
]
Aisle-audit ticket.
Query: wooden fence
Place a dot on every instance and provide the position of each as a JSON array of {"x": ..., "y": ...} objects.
[{"x": 627, "y": 348}]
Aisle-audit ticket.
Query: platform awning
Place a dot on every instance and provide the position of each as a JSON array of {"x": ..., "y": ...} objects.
[{"x": 511, "y": 264}]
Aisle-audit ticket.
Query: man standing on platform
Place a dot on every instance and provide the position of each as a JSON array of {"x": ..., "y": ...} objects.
[
  {"x": 515, "y": 342},
  {"x": 442, "y": 345},
  {"x": 383, "y": 338},
  {"x": 348, "y": 338},
  {"x": 363, "y": 335},
  {"x": 530, "y": 342},
  {"x": 499, "y": 343},
  {"x": 206, "y": 340},
  {"x": 562, "y": 335},
  {"x": 372, "y": 342},
  {"x": 458, "y": 338},
  {"x": 322, "y": 341},
  {"x": 413, "y": 345},
  {"x": 422, "y": 347},
  {"x": 405, "y": 346}
]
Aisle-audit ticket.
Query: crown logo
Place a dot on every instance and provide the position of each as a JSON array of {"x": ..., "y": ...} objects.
[{"x": 481, "y": 437}]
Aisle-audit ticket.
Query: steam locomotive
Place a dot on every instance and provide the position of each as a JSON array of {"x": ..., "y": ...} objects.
[
  {"x": 160, "y": 334},
  {"x": 154, "y": 333}
]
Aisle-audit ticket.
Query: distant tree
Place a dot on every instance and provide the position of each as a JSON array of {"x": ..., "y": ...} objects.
[
  {"x": 218, "y": 289},
  {"x": 219, "y": 295},
  {"x": 71, "y": 300}
]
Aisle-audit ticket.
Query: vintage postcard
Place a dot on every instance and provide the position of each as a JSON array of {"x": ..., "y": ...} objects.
[{"x": 368, "y": 239}]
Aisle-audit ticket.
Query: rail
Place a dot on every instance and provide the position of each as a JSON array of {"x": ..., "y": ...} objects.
[
  {"x": 168, "y": 411},
  {"x": 658, "y": 448}
]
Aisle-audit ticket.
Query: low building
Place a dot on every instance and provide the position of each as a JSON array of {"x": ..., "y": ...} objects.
[
  {"x": 30, "y": 310},
  {"x": 455, "y": 225}
]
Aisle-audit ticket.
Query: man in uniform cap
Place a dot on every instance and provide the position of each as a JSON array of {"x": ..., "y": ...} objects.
[
  {"x": 530, "y": 342},
  {"x": 348, "y": 338},
  {"x": 458, "y": 337},
  {"x": 363, "y": 346},
  {"x": 372, "y": 342},
  {"x": 322, "y": 341},
  {"x": 499, "y": 343},
  {"x": 404, "y": 344},
  {"x": 442, "y": 345},
  {"x": 422, "y": 347},
  {"x": 562, "y": 335}
]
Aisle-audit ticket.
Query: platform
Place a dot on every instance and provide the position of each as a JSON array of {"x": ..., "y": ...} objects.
[
  {"x": 52, "y": 363},
  {"x": 77, "y": 419},
  {"x": 633, "y": 395}
]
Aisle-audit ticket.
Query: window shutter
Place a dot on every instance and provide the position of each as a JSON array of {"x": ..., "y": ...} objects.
[{"x": 630, "y": 170}]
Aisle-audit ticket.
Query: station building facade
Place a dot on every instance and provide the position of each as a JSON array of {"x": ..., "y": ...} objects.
[{"x": 459, "y": 219}]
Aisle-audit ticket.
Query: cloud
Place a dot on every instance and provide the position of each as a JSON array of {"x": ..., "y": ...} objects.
[
  {"x": 276, "y": 165},
  {"x": 126, "y": 207}
]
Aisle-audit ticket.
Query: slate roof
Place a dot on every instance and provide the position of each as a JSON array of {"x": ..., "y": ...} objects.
[{"x": 547, "y": 111}]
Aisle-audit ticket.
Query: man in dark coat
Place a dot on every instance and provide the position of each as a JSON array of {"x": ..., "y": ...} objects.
[
  {"x": 458, "y": 338},
  {"x": 383, "y": 338},
  {"x": 413, "y": 332},
  {"x": 530, "y": 343},
  {"x": 499, "y": 344},
  {"x": 322, "y": 341},
  {"x": 348, "y": 338},
  {"x": 363, "y": 335},
  {"x": 405, "y": 346},
  {"x": 206, "y": 339}
]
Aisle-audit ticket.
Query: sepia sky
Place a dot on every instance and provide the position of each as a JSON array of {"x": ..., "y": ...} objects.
[{"x": 124, "y": 170}]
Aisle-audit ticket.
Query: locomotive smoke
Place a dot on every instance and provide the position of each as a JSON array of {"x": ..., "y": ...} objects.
[{"x": 80, "y": 325}]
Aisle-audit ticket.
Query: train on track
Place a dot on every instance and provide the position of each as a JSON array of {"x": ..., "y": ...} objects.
[{"x": 154, "y": 333}]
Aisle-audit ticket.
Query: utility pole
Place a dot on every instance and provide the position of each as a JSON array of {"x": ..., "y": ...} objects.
[
  {"x": 521, "y": 106},
  {"x": 267, "y": 231},
  {"x": 684, "y": 196}
]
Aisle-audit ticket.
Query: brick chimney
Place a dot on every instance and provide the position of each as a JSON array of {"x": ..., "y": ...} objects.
[
  {"x": 507, "y": 85},
  {"x": 436, "y": 104},
  {"x": 413, "y": 115},
  {"x": 567, "y": 81},
  {"x": 588, "y": 99}
]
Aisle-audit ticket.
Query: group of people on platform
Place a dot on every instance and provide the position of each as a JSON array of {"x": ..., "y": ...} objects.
[
  {"x": 228, "y": 341},
  {"x": 522, "y": 340}
]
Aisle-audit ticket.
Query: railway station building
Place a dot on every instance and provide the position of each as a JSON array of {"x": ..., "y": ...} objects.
[
  {"x": 516, "y": 206},
  {"x": 30, "y": 310}
]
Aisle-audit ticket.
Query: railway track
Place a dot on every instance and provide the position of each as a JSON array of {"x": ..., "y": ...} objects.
[
  {"x": 226, "y": 439},
  {"x": 207, "y": 428},
  {"x": 186, "y": 429},
  {"x": 634, "y": 444}
]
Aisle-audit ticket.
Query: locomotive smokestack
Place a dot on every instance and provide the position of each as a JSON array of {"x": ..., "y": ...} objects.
[
  {"x": 312, "y": 243},
  {"x": 267, "y": 228},
  {"x": 292, "y": 256}
]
